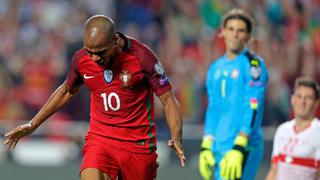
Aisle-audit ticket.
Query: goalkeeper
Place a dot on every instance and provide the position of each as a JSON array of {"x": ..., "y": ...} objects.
[{"x": 232, "y": 145}]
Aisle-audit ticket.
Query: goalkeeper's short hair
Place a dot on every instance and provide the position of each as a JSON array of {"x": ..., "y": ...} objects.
[{"x": 238, "y": 14}]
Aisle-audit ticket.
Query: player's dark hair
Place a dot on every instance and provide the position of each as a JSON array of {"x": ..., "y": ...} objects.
[
  {"x": 238, "y": 14},
  {"x": 308, "y": 82}
]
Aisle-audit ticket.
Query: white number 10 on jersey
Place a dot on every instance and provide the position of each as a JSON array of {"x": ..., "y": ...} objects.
[{"x": 107, "y": 101}]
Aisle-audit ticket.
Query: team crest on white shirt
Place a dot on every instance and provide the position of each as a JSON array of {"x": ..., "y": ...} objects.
[
  {"x": 108, "y": 76},
  {"x": 125, "y": 77}
]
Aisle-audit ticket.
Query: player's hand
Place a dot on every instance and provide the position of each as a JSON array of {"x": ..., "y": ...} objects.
[
  {"x": 231, "y": 163},
  {"x": 206, "y": 163},
  {"x": 206, "y": 158},
  {"x": 13, "y": 137},
  {"x": 177, "y": 146}
]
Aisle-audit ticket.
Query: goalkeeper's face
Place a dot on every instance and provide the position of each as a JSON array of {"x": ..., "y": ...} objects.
[
  {"x": 304, "y": 103},
  {"x": 236, "y": 35}
]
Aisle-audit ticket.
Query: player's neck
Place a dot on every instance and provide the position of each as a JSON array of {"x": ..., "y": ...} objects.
[
  {"x": 120, "y": 45},
  {"x": 231, "y": 55},
  {"x": 302, "y": 124}
]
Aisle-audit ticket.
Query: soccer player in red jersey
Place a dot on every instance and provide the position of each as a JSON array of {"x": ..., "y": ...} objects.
[{"x": 121, "y": 74}]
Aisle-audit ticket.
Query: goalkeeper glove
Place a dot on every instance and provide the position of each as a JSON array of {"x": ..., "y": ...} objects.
[
  {"x": 206, "y": 158},
  {"x": 231, "y": 163}
]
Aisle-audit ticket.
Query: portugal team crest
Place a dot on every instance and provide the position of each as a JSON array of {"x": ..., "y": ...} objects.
[
  {"x": 108, "y": 76},
  {"x": 125, "y": 77}
]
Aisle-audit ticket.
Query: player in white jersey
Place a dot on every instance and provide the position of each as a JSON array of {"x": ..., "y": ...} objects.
[{"x": 296, "y": 148}]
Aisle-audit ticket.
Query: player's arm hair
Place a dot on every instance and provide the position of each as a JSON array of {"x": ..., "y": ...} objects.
[
  {"x": 272, "y": 172},
  {"x": 61, "y": 96},
  {"x": 173, "y": 114}
]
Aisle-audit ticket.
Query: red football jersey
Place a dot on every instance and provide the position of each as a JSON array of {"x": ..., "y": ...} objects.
[{"x": 121, "y": 94}]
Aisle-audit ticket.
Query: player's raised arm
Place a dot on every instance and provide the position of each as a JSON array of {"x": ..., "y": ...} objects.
[
  {"x": 61, "y": 96},
  {"x": 174, "y": 120}
]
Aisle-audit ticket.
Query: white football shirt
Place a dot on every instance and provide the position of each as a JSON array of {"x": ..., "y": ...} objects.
[{"x": 297, "y": 154}]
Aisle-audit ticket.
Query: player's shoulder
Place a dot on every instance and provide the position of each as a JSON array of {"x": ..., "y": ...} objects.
[
  {"x": 316, "y": 123},
  {"x": 316, "y": 120},
  {"x": 137, "y": 48},
  {"x": 139, "y": 52},
  {"x": 315, "y": 126},
  {"x": 253, "y": 59},
  {"x": 251, "y": 55},
  {"x": 79, "y": 54},
  {"x": 254, "y": 65},
  {"x": 216, "y": 63},
  {"x": 288, "y": 125}
]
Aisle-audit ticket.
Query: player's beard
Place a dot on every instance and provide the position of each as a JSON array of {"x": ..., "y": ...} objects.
[
  {"x": 236, "y": 47},
  {"x": 101, "y": 62},
  {"x": 107, "y": 60},
  {"x": 104, "y": 62}
]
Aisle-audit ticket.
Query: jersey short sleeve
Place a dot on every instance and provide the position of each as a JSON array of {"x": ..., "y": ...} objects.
[
  {"x": 159, "y": 79},
  {"x": 256, "y": 79},
  {"x": 316, "y": 143},
  {"x": 155, "y": 73},
  {"x": 74, "y": 78},
  {"x": 276, "y": 142}
]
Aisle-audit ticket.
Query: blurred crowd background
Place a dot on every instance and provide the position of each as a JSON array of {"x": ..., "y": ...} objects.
[{"x": 39, "y": 37}]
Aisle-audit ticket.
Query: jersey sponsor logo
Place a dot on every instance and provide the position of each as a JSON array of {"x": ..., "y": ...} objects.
[
  {"x": 125, "y": 77},
  {"x": 85, "y": 76},
  {"x": 159, "y": 68},
  {"x": 108, "y": 75}
]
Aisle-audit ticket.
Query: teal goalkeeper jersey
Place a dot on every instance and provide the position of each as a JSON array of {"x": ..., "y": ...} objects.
[{"x": 236, "y": 91}]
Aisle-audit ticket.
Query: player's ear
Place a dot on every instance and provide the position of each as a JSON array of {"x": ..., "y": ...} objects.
[
  {"x": 292, "y": 99},
  {"x": 222, "y": 32},
  {"x": 317, "y": 103},
  {"x": 116, "y": 39},
  {"x": 249, "y": 38}
]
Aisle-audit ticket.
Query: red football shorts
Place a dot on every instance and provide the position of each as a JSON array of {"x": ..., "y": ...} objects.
[{"x": 117, "y": 162}]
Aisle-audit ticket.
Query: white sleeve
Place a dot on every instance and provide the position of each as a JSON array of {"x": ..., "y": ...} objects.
[
  {"x": 317, "y": 146},
  {"x": 275, "y": 149},
  {"x": 316, "y": 143}
]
